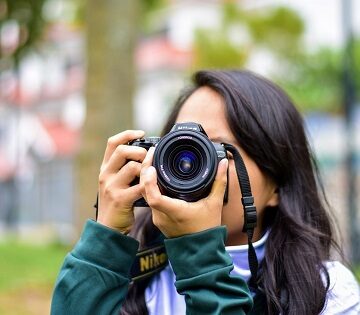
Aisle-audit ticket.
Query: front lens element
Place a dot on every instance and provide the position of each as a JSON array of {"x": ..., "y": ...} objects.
[{"x": 185, "y": 162}]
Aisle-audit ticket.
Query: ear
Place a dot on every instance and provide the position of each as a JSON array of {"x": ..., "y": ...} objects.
[{"x": 274, "y": 198}]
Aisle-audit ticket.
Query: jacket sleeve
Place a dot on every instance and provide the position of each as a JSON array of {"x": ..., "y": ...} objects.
[
  {"x": 202, "y": 268},
  {"x": 94, "y": 278}
]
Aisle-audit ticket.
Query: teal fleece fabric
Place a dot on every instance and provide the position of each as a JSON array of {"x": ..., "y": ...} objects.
[{"x": 94, "y": 278}]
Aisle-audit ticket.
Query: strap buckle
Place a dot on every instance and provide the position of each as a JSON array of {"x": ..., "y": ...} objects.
[{"x": 250, "y": 217}]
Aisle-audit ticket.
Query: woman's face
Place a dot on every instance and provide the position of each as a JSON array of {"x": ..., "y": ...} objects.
[{"x": 207, "y": 108}]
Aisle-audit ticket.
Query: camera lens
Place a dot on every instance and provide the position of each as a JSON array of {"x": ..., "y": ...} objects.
[{"x": 186, "y": 163}]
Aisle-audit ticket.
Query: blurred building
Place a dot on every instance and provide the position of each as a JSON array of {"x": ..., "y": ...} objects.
[{"x": 42, "y": 110}]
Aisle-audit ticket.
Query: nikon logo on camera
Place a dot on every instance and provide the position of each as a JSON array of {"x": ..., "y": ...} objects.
[{"x": 148, "y": 262}]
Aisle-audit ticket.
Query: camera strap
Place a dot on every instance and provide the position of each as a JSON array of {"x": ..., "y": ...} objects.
[
  {"x": 154, "y": 259},
  {"x": 149, "y": 261},
  {"x": 250, "y": 217}
]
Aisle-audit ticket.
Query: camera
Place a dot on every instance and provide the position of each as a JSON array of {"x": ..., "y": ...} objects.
[{"x": 186, "y": 162}]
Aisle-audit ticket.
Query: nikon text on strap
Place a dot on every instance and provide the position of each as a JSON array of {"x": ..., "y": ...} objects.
[{"x": 148, "y": 262}]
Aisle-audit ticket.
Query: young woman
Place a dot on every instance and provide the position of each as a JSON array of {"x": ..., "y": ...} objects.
[{"x": 206, "y": 247}]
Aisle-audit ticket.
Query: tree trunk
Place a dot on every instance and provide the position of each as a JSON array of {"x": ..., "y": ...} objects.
[{"x": 111, "y": 39}]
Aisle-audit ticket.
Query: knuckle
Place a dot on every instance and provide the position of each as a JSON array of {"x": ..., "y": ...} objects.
[
  {"x": 181, "y": 220},
  {"x": 111, "y": 142},
  {"x": 108, "y": 192},
  {"x": 154, "y": 202},
  {"x": 102, "y": 179},
  {"x": 116, "y": 197},
  {"x": 120, "y": 149},
  {"x": 133, "y": 166}
]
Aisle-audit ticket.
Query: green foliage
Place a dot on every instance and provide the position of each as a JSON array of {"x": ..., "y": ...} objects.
[
  {"x": 152, "y": 5},
  {"x": 23, "y": 264},
  {"x": 150, "y": 11},
  {"x": 80, "y": 11},
  {"x": 356, "y": 58},
  {"x": 314, "y": 80},
  {"x": 357, "y": 273},
  {"x": 278, "y": 30},
  {"x": 213, "y": 50}
]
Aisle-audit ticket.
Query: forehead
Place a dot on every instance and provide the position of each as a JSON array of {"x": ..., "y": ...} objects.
[{"x": 206, "y": 107}]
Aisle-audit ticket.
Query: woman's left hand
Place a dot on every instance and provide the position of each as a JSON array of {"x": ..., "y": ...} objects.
[{"x": 175, "y": 217}]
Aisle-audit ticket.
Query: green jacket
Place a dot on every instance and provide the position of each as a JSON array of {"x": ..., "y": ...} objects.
[{"x": 94, "y": 278}]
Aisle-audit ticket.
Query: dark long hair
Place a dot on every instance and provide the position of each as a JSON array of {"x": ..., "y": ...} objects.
[{"x": 269, "y": 128}]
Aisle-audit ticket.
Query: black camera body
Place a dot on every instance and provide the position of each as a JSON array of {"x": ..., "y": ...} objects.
[{"x": 186, "y": 162}]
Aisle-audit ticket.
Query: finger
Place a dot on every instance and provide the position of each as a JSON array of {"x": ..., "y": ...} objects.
[
  {"x": 148, "y": 181},
  {"x": 128, "y": 173},
  {"x": 148, "y": 158},
  {"x": 152, "y": 194},
  {"x": 147, "y": 162},
  {"x": 121, "y": 155},
  {"x": 218, "y": 188},
  {"x": 121, "y": 138},
  {"x": 123, "y": 198},
  {"x": 133, "y": 193}
]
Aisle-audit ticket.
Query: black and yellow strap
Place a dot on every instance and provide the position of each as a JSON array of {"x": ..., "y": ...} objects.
[{"x": 148, "y": 262}]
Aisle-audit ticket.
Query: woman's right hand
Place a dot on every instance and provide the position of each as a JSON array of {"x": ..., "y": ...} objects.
[{"x": 120, "y": 166}]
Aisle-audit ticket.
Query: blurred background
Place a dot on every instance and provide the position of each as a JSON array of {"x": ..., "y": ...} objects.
[{"x": 74, "y": 72}]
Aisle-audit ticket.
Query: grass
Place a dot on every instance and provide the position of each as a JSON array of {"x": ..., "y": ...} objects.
[
  {"x": 357, "y": 273},
  {"x": 27, "y": 276}
]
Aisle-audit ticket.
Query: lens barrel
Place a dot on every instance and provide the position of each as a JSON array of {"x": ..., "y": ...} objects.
[{"x": 186, "y": 162}]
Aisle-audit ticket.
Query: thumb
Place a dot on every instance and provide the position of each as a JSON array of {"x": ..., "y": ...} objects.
[{"x": 219, "y": 185}]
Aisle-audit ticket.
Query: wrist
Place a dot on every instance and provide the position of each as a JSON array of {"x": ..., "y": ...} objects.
[{"x": 120, "y": 229}]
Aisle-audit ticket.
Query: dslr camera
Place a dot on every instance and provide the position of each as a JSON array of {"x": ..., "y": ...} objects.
[{"x": 186, "y": 162}]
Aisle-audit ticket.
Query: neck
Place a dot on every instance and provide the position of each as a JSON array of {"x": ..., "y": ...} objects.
[{"x": 241, "y": 238}]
